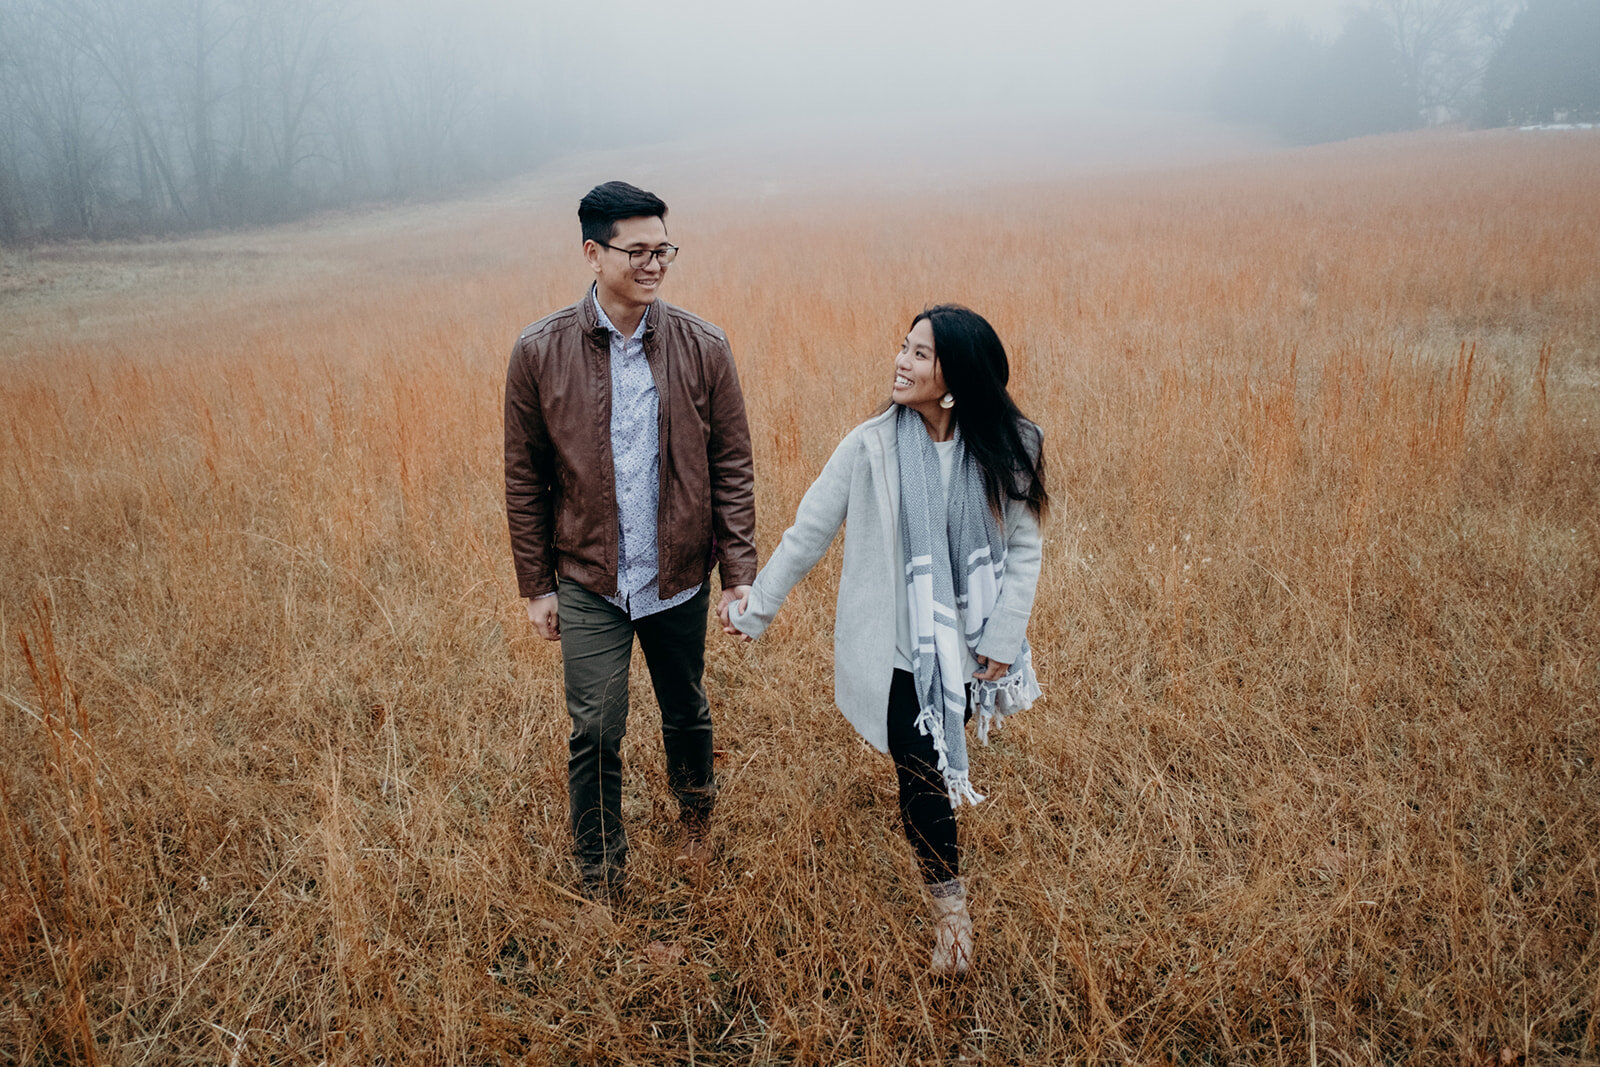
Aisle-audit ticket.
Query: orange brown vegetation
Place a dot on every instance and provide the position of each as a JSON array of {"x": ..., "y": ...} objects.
[{"x": 1315, "y": 776}]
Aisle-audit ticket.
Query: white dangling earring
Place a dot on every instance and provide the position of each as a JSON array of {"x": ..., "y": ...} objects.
[{"x": 947, "y": 401}]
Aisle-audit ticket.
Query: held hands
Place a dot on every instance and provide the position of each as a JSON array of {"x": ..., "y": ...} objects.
[
  {"x": 990, "y": 670},
  {"x": 542, "y": 613},
  {"x": 741, "y": 595}
]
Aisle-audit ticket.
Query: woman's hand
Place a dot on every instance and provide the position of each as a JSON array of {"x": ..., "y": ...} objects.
[
  {"x": 990, "y": 670},
  {"x": 739, "y": 595}
]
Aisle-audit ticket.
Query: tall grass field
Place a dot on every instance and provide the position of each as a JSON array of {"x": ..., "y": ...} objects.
[{"x": 1314, "y": 779}]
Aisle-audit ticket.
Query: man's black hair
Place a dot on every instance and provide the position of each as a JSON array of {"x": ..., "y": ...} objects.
[{"x": 599, "y": 212}]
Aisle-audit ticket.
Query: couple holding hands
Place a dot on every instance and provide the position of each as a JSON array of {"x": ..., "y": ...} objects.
[{"x": 629, "y": 474}]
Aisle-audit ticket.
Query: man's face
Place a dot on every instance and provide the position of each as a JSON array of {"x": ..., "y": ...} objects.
[{"x": 618, "y": 282}]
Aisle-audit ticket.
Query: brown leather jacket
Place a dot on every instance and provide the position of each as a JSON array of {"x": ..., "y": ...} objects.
[{"x": 561, "y": 496}]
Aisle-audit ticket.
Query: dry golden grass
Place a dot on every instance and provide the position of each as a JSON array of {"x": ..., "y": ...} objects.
[{"x": 1315, "y": 776}]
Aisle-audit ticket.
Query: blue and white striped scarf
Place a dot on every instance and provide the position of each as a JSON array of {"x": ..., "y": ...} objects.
[{"x": 943, "y": 597}]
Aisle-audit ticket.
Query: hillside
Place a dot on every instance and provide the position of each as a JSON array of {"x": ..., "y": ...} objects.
[{"x": 1314, "y": 779}]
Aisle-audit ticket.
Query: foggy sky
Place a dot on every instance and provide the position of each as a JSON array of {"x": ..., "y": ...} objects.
[
  {"x": 146, "y": 117},
  {"x": 688, "y": 64}
]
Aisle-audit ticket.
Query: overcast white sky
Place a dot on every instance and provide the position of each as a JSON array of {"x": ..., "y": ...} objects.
[{"x": 684, "y": 63}]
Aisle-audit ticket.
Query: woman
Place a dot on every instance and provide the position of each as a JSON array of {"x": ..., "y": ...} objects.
[{"x": 949, "y": 477}]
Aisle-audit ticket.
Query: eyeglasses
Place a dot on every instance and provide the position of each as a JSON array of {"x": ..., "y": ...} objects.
[{"x": 639, "y": 258}]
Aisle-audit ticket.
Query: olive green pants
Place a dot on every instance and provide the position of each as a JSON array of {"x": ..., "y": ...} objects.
[{"x": 596, "y": 647}]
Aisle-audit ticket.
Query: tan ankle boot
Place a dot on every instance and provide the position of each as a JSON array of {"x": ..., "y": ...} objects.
[{"x": 952, "y": 928}]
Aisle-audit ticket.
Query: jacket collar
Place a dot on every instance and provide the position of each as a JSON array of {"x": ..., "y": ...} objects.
[{"x": 589, "y": 320}]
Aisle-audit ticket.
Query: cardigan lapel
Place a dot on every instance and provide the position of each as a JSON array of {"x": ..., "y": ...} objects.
[{"x": 883, "y": 459}]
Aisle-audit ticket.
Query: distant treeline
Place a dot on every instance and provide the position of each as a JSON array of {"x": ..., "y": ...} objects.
[
  {"x": 122, "y": 117},
  {"x": 1401, "y": 64},
  {"x": 126, "y": 117}
]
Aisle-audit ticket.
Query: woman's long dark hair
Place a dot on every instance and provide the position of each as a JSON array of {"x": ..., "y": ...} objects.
[{"x": 975, "y": 368}]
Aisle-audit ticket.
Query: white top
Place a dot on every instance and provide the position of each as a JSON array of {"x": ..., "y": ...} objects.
[{"x": 947, "y": 459}]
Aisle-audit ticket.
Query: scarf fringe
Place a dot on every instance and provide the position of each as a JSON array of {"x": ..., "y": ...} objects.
[
  {"x": 928, "y": 725},
  {"x": 959, "y": 786},
  {"x": 996, "y": 702}
]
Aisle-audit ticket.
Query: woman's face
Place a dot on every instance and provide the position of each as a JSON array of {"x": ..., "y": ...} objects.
[{"x": 918, "y": 380}]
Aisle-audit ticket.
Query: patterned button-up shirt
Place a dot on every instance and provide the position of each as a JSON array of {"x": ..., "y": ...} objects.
[{"x": 636, "y": 460}]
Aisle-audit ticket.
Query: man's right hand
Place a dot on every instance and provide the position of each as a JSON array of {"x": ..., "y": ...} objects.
[
  {"x": 542, "y": 613},
  {"x": 737, "y": 598}
]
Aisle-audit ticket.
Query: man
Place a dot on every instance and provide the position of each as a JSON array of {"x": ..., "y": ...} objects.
[{"x": 628, "y": 475}]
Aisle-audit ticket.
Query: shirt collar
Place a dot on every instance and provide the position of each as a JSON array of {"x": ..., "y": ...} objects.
[{"x": 600, "y": 312}]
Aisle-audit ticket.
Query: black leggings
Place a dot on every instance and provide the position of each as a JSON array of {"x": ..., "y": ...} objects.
[{"x": 924, "y": 802}]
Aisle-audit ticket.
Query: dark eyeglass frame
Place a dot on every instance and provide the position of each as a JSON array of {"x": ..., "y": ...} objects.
[{"x": 639, "y": 258}]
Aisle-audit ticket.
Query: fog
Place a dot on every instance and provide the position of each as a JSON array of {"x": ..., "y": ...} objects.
[
  {"x": 121, "y": 117},
  {"x": 635, "y": 70}
]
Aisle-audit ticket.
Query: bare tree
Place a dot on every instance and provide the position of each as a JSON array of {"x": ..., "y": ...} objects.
[
  {"x": 54, "y": 92},
  {"x": 121, "y": 43},
  {"x": 1444, "y": 48},
  {"x": 191, "y": 41},
  {"x": 1545, "y": 69},
  {"x": 13, "y": 205},
  {"x": 144, "y": 114},
  {"x": 424, "y": 91}
]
